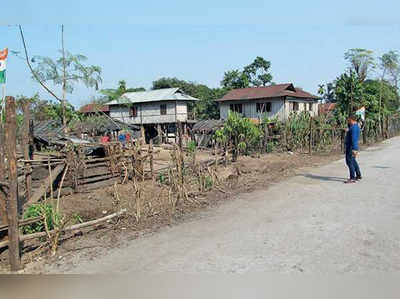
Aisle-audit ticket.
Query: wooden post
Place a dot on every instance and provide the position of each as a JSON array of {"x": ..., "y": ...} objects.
[
  {"x": 310, "y": 138},
  {"x": 159, "y": 133},
  {"x": 182, "y": 162},
  {"x": 386, "y": 127},
  {"x": 12, "y": 202},
  {"x": 3, "y": 209},
  {"x": 151, "y": 159},
  {"x": 179, "y": 130},
  {"x": 266, "y": 135},
  {"x": 142, "y": 133},
  {"x": 364, "y": 132},
  {"x": 225, "y": 155},
  {"x": 184, "y": 129},
  {"x": 26, "y": 143},
  {"x": 140, "y": 161}
]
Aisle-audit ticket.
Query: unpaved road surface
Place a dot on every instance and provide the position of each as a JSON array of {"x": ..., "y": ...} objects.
[{"x": 311, "y": 223}]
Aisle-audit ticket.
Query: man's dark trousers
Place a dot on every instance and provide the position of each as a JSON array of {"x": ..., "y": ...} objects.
[{"x": 351, "y": 162}]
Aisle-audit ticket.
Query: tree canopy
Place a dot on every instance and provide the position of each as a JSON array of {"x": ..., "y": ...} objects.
[
  {"x": 352, "y": 94},
  {"x": 361, "y": 61},
  {"x": 66, "y": 71},
  {"x": 76, "y": 71},
  {"x": 389, "y": 63},
  {"x": 110, "y": 94},
  {"x": 258, "y": 72},
  {"x": 253, "y": 75}
]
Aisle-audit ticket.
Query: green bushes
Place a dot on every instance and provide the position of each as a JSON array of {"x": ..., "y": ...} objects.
[
  {"x": 191, "y": 146},
  {"x": 297, "y": 130},
  {"x": 42, "y": 209},
  {"x": 239, "y": 133},
  {"x": 300, "y": 132}
]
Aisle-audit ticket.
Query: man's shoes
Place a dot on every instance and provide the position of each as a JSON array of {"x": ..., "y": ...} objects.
[
  {"x": 358, "y": 178},
  {"x": 350, "y": 181}
]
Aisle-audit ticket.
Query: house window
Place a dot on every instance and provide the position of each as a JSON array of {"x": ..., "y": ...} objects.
[
  {"x": 133, "y": 111},
  {"x": 236, "y": 108},
  {"x": 264, "y": 107},
  {"x": 163, "y": 109},
  {"x": 295, "y": 106},
  {"x": 310, "y": 107}
]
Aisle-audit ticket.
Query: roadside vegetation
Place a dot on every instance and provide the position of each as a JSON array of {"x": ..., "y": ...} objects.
[{"x": 190, "y": 173}]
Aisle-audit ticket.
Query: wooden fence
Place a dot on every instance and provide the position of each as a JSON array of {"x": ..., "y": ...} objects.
[{"x": 70, "y": 171}]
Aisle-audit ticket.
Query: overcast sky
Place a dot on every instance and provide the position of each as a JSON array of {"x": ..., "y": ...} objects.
[{"x": 197, "y": 40}]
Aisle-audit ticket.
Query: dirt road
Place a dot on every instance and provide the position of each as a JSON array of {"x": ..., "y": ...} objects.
[{"x": 311, "y": 223}]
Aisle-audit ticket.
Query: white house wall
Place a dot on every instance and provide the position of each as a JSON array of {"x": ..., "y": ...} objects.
[
  {"x": 150, "y": 113},
  {"x": 279, "y": 108},
  {"x": 181, "y": 111},
  {"x": 249, "y": 108},
  {"x": 303, "y": 106}
]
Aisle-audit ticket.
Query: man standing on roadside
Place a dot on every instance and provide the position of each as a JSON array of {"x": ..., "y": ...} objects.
[{"x": 351, "y": 144}]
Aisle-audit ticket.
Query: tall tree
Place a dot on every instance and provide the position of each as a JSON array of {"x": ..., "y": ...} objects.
[
  {"x": 66, "y": 71},
  {"x": 389, "y": 63},
  {"x": 255, "y": 74},
  {"x": 361, "y": 61},
  {"x": 235, "y": 79},
  {"x": 381, "y": 90},
  {"x": 258, "y": 72},
  {"x": 352, "y": 94},
  {"x": 349, "y": 93}
]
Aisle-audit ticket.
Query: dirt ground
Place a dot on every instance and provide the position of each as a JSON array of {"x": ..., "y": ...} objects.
[{"x": 245, "y": 175}]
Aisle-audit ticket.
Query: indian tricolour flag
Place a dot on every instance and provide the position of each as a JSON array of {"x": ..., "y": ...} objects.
[{"x": 3, "y": 58}]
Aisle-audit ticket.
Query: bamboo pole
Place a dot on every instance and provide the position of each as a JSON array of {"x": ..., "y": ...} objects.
[
  {"x": 66, "y": 229},
  {"x": 23, "y": 222},
  {"x": 27, "y": 149},
  {"x": 50, "y": 179},
  {"x": 151, "y": 159},
  {"x": 310, "y": 139},
  {"x": 12, "y": 202}
]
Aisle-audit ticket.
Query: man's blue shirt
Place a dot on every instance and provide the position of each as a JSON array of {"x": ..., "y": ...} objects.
[{"x": 352, "y": 136}]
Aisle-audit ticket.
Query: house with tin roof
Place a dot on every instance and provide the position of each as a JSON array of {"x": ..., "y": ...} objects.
[
  {"x": 268, "y": 101},
  {"x": 156, "y": 111}
]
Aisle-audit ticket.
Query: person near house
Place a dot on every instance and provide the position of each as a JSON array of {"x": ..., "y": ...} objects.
[
  {"x": 122, "y": 138},
  {"x": 105, "y": 139},
  {"x": 352, "y": 148},
  {"x": 128, "y": 137}
]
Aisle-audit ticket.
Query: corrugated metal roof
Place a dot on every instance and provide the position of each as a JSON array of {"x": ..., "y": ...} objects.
[
  {"x": 272, "y": 91},
  {"x": 48, "y": 130},
  {"x": 157, "y": 95},
  {"x": 208, "y": 125}
]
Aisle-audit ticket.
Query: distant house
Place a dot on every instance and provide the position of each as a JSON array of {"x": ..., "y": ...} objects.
[
  {"x": 156, "y": 111},
  {"x": 271, "y": 101},
  {"x": 94, "y": 108},
  {"x": 326, "y": 108}
]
